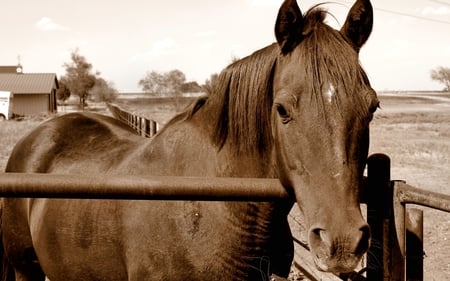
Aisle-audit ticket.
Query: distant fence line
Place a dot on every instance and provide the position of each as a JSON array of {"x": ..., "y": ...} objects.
[{"x": 143, "y": 126}]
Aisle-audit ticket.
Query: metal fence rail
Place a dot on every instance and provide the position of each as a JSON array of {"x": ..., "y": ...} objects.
[
  {"x": 408, "y": 194},
  {"x": 118, "y": 187},
  {"x": 140, "y": 188}
]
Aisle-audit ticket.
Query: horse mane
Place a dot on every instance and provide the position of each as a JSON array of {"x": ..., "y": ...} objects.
[
  {"x": 242, "y": 97},
  {"x": 244, "y": 89}
]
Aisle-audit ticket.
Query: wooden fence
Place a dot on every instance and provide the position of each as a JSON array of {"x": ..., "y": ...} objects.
[
  {"x": 397, "y": 230},
  {"x": 143, "y": 126}
]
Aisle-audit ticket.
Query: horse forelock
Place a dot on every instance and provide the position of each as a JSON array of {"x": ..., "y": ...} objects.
[
  {"x": 329, "y": 59},
  {"x": 244, "y": 93}
]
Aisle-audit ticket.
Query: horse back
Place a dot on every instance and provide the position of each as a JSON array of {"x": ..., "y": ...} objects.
[{"x": 73, "y": 143}]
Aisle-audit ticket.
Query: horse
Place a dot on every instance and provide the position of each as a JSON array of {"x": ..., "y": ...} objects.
[{"x": 298, "y": 110}]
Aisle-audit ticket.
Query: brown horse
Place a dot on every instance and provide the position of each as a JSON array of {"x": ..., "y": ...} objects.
[{"x": 298, "y": 110}]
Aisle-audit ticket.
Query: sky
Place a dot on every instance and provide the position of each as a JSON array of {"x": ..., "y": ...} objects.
[{"x": 123, "y": 40}]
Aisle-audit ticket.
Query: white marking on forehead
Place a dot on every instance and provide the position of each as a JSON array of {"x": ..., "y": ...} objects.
[{"x": 329, "y": 93}]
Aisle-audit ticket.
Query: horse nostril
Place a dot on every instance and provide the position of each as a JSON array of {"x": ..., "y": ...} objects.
[
  {"x": 364, "y": 242},
  {"x": 317, "y": 231},
  {"x": 319, "y": 238}
]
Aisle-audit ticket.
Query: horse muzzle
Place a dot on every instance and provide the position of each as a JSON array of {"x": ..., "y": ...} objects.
[{"x": 339, "y": 253}]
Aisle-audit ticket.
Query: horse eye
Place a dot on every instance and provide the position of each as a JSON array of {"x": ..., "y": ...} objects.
[
  {"x": 283, "y": 113},
  {"x": 281, "y": 110}
]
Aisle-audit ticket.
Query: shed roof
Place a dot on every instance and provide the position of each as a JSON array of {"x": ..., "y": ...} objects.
[
  {"x": 8, "y": 68},
  {"x": 28, "y": 83}
]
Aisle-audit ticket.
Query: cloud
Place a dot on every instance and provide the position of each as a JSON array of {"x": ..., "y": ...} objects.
[
  {"x": 159, "y": 48},
  {"x": 162, "y": 47},
  {"x": 438, "y": 11},
  {"x": 47, "y": 24}
]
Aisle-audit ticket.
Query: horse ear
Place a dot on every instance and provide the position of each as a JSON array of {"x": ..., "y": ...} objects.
[
  {"x": 358, "y": 25},
  {"x": 288, "y": 26}
]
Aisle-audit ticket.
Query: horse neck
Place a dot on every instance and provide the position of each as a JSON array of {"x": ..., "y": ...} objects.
[
  {"x": 228, "y": 163},
  {"x": 258, "y": 230},
  {"x": 258, "y": 217},
  {"x": 260, "y": 234}
]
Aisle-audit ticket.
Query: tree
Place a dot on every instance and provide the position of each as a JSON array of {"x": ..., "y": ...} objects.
[
  {"x": 153, "y": 83},
  {"x": 79, "y": 77},
  {"x": 163, "y": 84},
  {"x": 103, "y": 91},
  {"x": 210, "y": 83},
  {"x": 442, "y": 75},
  {"x": 191, "y": 87},
  {"x": 176, "y": 79},
  {"x": 63, "y": 92}
]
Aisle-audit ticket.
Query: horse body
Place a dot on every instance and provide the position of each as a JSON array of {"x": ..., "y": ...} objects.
[
  {"x": 92, "y": 235},
  {"x": 298, "y": 110}
]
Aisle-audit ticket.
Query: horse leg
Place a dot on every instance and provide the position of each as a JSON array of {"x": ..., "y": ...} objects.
[
  {"x": 29, "y": 276},
  {"x": 29, "y": 269},
  {"x": 19, "y": 256}
]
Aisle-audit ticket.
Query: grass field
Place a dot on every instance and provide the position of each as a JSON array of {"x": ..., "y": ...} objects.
[
  {"x": 10, "y": 132},
  {"x": 412, "y": 128}
]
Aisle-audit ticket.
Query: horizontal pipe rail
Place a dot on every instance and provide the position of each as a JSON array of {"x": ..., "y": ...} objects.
[
  {"x": 20, "y": 185},
  {"x": 408, "y": 194}
]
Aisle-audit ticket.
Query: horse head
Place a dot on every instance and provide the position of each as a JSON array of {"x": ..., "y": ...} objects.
[{"x": 322, "y": 106}]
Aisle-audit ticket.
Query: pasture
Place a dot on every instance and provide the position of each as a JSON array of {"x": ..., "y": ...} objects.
[{"x": 412, "y": 128}]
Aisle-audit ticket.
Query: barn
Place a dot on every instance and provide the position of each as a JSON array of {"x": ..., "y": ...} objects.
[{"x": 33, "y": 93}]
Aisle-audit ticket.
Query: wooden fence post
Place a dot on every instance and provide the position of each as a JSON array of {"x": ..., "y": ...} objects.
[
  {"x": 140, "y": 125},
  {"x": 153, "y": 128},
  {"x": 378, "y": 174},
  {"x": 130, "y": 119},
  {"x": 384, "y": 260},
  {"x": 135, "y": 122},
  {"x": 147, "y": 128},
  {"x": 414, "y": 244}
]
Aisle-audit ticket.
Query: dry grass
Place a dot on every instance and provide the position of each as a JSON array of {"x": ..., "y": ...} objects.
[
  {"x": 10, "y": 133},
  {"x": 419, "y": 147}
]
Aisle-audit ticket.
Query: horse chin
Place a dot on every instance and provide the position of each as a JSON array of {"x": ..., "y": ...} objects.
[{"x": 336, "y": 265}]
